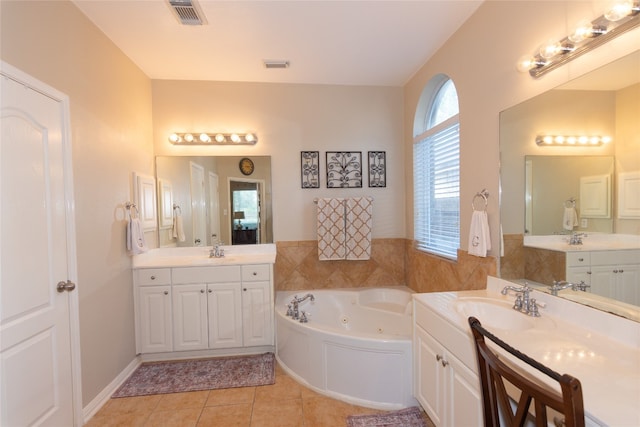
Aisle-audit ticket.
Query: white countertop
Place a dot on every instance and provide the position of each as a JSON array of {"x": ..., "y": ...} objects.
[
  {"x": 600, "y": 349},
  {"x": 591, "y": 242},
  {"x": 199, "y": 256}
]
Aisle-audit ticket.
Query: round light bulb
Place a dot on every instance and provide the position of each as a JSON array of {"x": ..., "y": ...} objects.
[
  {"x": 606, "y": 139},
  {"x": 547, "y": 139},
  {"x": 572, "y": 140},
  {"x": 550, "y": 49},
  {"x": 204, "y": 137},
  {"x": 583, "y": 31},
  {"x": 188, "y": 137},
  {"x": 559, "y": 139},
  {"x": 235, "y": 138},
  {"x": 619, "y": 10},
  {"x": 594, "y": 140},
  {"x": 220, "y": 138},
  {"x": 174, "y": 137},
  {"x": 249, "y": 137},
  {"x": 583, "y": 140}
]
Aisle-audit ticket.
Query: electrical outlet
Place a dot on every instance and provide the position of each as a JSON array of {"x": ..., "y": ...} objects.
[{"x": 584, "y": 222}]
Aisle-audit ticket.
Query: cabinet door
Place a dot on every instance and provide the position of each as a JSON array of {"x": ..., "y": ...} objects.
[
  {"x": 190, "y": 317},
  {"x": 225, "y": 315},
  {"x": 464, "y": 394},
  {"x": 578, "y": 274},
  {"x": 154, "y": 317},
  {"x": 257, "y": 316},
  {"x": 428, "y": 375},
  {"x": 603, "y": 280},
  {"x": 627, "y": 286}
]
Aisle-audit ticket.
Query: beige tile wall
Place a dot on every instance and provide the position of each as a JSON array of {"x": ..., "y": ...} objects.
[
  {"x": 393, "y": 262},
  {"x": 512, "y": 262},
  {"x": 544, "y": 266}
]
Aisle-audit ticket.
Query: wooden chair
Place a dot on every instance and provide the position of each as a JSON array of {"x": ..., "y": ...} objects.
[{"x": 494, "y": 372}]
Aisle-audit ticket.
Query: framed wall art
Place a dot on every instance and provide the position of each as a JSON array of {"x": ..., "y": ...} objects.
[
  {"x": 310, "y": 169},
  {"x": 344, "y": 169},
  {"x": 377, "y": 168}
]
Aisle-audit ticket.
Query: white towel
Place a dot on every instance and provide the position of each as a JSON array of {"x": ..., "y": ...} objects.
[
  {"x": 358, "y": 241},
  {"x": 570, "y": 218},
  {"x": 135, "y": 237},
  {"x": 331, "y": 229},
  {"x": 178, "y": 228},
  {"x": 479, "y": 236}
]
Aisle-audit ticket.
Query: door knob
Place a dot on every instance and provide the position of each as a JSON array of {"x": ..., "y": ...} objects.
[{"x": 66, "y": 286}]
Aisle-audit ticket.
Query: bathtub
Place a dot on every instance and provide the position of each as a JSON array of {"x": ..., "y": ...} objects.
[{"x": 356, "y": 345}]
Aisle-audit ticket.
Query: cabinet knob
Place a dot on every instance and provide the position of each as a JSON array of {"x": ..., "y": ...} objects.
[
  {"x": 620, "y": 271},
  {"x": 580, "y": 259},
  {"x": 210, "y": 291},
  {"x": 153, "y": 277},
  {"x": 202, "y": 291},
  {"x": 255, "y": 273},
  {"x": 166, "y": 292},
  {"x": 441, "y": 360},
  {"x": 244, "y": 289}
]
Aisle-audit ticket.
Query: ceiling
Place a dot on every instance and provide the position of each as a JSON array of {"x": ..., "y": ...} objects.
[{"x": 355, "y": 42}]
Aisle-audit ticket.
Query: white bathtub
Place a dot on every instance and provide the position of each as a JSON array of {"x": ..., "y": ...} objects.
[{"x": 356, "y": 346}]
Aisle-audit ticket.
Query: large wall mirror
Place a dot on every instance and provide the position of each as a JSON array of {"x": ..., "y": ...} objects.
[
  {"x": 538, "y": 183},
  {"x": 204, "y": 200}
]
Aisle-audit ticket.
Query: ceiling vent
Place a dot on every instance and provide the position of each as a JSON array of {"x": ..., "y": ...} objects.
[
  {"x": 188, "y": 12},
  {"x": 276, "y": 64}
]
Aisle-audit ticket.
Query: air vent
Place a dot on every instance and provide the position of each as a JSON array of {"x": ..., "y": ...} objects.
[
  {"x": 276, "y": 64},
  {"x": 187, "y": 12}
]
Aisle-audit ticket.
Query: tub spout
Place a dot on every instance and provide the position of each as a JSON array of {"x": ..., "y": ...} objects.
[{"x": 307, "y": 296}]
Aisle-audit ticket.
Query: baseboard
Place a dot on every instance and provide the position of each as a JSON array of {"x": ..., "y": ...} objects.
[{"x": 98, "y": 402}]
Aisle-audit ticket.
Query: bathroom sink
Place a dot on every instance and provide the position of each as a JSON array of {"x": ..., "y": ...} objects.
[{"x": 493, "y": 313}]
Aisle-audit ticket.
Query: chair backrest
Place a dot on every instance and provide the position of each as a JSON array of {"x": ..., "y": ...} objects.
[{"x": 494, "y": 372}]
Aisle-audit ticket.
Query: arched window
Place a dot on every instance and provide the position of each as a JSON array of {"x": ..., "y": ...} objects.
[{"x": 436, "y": 169}]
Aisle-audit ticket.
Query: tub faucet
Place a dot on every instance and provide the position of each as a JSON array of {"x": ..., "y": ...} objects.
[
  {"x": 292, "y": 308},
  {"x": 523, "y": 302},
  {"x": 300, "y": 299},
  {"x": 559, "y": 285},
  {"x": 217, "y": 251}
]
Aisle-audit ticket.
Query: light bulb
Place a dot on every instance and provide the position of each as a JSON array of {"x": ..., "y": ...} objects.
[
  {"x": 550, "y": 49},
  {"x": 204, "y": 137},
  {"x": 188, "y": 137},
  {"x": 583, "y": 140},
  {"x": 594, "y": 140},
  {"x": 583, "y": 31},
  {"x": 619, "y": 10},
  {"x": 174, "y": 137},
  {"x": 606, "y": 139},
  {"x": 235, "y": 138},
  {"x": 547, "y": 139},
  {"x": 572, "y": 140},
  {"x": 220, "y": 138},
  {"x": 559, "y": 139},
  {"x": 249, "y": 137}
]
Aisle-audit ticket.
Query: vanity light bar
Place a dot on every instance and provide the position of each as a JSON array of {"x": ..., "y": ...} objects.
[
  {"x": 213, "y": 138},
  {"x": 571, "y": 140},
  {"x": 623, "y": 16}
]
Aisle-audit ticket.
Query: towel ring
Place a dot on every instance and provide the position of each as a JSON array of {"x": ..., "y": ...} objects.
[
  {"x": 131, "y": 206},
  {"x": 571, "y": 203},
  {"x": 177, "y": 208},
  {"x": 482, "y": 196}
]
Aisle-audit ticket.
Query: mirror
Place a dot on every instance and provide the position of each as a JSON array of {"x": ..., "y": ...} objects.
[
  {"x": 538, "y": 182},
  {"x": 209, "y": 194}
]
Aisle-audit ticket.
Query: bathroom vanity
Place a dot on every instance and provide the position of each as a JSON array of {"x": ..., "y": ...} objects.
[
  {"x": 189, "y": 304},
  {"x": 600, "y": 349}
]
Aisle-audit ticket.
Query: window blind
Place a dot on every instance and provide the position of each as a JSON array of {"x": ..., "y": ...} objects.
[{"x": 436, "y": 174}]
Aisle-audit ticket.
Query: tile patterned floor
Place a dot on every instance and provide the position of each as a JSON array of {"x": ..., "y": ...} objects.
[{"x": 283, "y": 404}]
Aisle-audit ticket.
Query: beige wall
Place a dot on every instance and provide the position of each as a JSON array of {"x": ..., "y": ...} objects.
[
  {"x": 481, "y": 59},
  {"x": 627, "y": 144},
  {"x": 111, "y": 132},
  {"x": 289, "y": 118}
]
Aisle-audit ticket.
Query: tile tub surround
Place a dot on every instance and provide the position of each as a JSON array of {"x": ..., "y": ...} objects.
[
  {"x": 600, "y": 349},
  {"x": 394, "y": 262}
]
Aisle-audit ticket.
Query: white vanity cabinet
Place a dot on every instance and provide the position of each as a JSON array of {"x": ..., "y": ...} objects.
[
  {"x": 446, "y": 385},
  {"x": 204, "y": 308},
  {"x": 613, "y": 274},
  {"x": 153, "y": 310}
]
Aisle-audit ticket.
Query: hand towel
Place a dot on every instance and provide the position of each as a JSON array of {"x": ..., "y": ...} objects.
[
  {"x": 479, "y": 236},
  {"x": 135, "y": 237},
  {"x": 359, "y": 224},
  {"x": 331, "y": 229},
  {"x": 570, "y": 218},
  {"x": 178, "y": 228}
]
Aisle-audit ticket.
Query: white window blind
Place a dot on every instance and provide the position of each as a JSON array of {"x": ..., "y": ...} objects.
[{"x": 436, "y": 173}]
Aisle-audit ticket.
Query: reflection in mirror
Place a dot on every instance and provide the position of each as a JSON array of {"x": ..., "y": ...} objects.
[
  {"x": 559, "y": 190},
  {"x": 200, "y": 193},
  {"x": 536, "y": 188}
]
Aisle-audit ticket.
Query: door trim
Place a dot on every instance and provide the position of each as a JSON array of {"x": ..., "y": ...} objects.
[{"x": 19, "y": 76}]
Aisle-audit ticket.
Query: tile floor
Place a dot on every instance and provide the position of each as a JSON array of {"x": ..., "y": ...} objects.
[{"x": 285, "y": 403}]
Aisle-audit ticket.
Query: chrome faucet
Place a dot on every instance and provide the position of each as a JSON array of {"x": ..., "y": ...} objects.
[
  {"x": 217, "y": 251},
  {"x": 292, "y": 308},
  {"x": 576, "y": 238},
  {"x": 559, "y": 285},
  {"x": 523, "y": 302}
]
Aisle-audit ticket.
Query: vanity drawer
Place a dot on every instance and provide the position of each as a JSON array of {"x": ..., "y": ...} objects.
[
  {"x": 256, "y": 272},
  {"x": 578, "y": 259},
  {"x": 221, "y": 274},
  {"x": 153, "y": 276},
  {"x": 620, "y": 257}
]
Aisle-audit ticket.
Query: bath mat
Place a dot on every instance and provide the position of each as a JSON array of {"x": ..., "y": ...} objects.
[
  {"x": 199, "y": 374},
  {"x": 409, "y": 417}
]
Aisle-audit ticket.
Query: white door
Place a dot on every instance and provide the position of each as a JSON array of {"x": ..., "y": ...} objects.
[
  {"x": 156, "y": 328},
  {"x": 214, "y": 208},
  {"x": 198, "y": 205},
  {"x": 256, "y": 314},
  {"x": 39, "y": 383},
  {"x": 190, "y": 317},
  {"x": 225, "y": 315}
]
